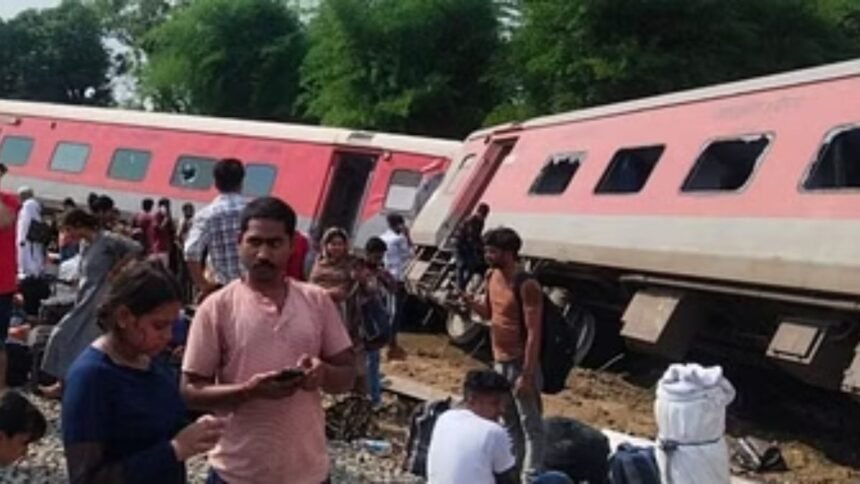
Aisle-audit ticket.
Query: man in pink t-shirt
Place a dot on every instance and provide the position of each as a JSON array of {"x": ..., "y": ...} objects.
[{"x": 241, "y": 340}]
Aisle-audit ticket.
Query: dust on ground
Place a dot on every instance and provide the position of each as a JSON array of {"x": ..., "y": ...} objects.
[{"x": 819, "y": 436}]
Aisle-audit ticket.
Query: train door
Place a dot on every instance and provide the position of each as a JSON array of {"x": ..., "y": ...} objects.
[
  {"x": 475, "y": 186},
  {"x": 346, "y": 190}
]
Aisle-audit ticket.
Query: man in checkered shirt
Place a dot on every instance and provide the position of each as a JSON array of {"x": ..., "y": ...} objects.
[{"x": 215, "y": 231}]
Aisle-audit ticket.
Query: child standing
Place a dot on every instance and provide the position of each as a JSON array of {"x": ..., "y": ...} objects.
[{"x": 373, "y": 282}]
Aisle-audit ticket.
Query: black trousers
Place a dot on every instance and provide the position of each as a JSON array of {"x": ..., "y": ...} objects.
[{"x": 34, "y": 289}]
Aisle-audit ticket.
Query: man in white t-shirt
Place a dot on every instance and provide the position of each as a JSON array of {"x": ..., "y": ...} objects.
[
  {"x": 468, "y": 444},
  {"x": 397, "y": 253}
]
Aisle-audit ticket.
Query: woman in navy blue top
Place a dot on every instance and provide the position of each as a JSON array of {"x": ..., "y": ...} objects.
[{"x": 122, "y": 415}]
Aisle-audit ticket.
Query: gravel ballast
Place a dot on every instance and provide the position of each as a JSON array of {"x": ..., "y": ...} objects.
[{"x": 45, "y": 463}]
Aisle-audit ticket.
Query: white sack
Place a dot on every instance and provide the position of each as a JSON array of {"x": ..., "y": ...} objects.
[{"x": 691, "y": 410}]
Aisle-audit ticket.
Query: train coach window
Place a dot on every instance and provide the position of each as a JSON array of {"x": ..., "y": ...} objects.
[
  {"x": 70, "y": 157},
  {"x": 838, "y": 162},
  {"x": 402, "y": 190},
  {"x": 193, "y": 172},
  {"x": 556, "y": 175},
  {"x": 726, "y": 165},
  {"x": 629, "y": 169},
  {"x": 129, "y": 164},
  {"x": 259, "y": 179},
  {"x": 15, "y": 150}
]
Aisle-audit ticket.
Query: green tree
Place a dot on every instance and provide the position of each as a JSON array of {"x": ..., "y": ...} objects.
[
  {"x": 55, "y": 55},
  {"x": 416, "y": 66},
  {"x": 237, "y": 58},
  {"x": 574, "y": 53}
]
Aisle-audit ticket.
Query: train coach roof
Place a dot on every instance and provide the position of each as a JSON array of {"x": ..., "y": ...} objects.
[
  {"x": 203, "y": 124},
  {"x": 805, "y": 76}
]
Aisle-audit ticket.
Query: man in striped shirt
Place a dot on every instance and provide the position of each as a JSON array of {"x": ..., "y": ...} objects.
[{"x": 215, "y": 230}]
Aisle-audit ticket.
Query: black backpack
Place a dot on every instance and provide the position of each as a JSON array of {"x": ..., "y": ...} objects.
[
  {"x": 420, "y": 432},
  {"x": 576, "y": 449},
  {"x": 40, "y": 232},
  {"x": 558, "y": 342}
]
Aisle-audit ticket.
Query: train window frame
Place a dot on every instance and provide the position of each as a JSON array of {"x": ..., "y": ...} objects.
[
  {"x": 578, "y": 159},
  {"x": 391, "y": 184},
  {"x": 470, "y": 160},
  {"x": 615, "y": 160},
  {"x": 767, "y": 135},
  {"x": 174, "y": 182},
  {"x": 53, "y": 163},
  {"x": 254, "y": 165},
  {"x": 13, "y": 137},
  {"x": 114, "y": 160},
  {"x": 814, "y": 163}
]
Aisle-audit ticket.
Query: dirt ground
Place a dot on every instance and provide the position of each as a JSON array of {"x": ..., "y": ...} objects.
[{"x": 819, "y": 435}]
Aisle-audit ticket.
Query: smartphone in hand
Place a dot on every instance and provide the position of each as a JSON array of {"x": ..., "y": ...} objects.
[{"x": 289, "y": 375}]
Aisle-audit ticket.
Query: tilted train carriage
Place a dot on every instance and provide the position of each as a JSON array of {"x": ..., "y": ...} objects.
[
  {"x": 723, "y": 220},
  {"x": 330, "y": 176}
]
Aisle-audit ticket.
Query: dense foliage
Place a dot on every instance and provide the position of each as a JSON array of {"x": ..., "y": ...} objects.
[
  {"x": 436, "y": 67},
  {"x": 55, "y": 55}
]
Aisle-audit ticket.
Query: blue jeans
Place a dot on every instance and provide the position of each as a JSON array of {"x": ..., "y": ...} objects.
[
  {"x": 523, "y": 419},
  {"x": 374, "y": 378},
  {"x": 553, "y": 477}
]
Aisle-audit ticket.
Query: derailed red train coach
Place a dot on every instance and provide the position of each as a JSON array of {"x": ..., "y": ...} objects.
[
  {"x": 722, "y": 220},
  {"x": 331, "y": 176}
]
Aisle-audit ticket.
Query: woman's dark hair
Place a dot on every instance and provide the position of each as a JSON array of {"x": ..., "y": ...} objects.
[
  {"x": 18, "y": 416},
  {"x": 164, "y": 202},
  {"x": 141, "y": 287},
  {"x": 79, "y": 219},
  {"x": 69, "y": 203},
  {"x": 504, "y": 239},
  {"x": 229, "y": 175},
  {"x": 269, "y": 208},
  {"x": 375, "y": 245},
  {"x": 482, "y": 382}
]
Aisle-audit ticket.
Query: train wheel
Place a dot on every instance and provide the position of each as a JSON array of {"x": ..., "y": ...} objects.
[
  {"x": 583, "y": 320},
  {"x": 462, "y": 328}
]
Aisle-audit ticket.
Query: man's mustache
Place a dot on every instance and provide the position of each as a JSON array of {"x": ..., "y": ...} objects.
[{"x": 263, "y": 264}]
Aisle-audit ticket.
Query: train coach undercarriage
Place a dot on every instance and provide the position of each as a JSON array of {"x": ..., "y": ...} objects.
[{"x": 813, "y": 337}]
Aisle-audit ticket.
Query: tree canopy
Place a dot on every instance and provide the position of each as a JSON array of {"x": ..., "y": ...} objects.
[
  {"x": 54, "y": 55},
  {"x": 417, "y": 66},
  {"x": 574, "y": 53},
  {"x": 236, "y": 58},
  {"x": 432, "y": 67}
]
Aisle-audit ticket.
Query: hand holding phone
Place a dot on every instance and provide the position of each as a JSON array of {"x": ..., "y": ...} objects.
[{"x": 289, "y": 374}]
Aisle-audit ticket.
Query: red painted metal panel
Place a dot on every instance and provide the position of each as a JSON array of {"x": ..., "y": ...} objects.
[
  {"x": 798, "y": 117},
  {"x": 302, "y": 168}
]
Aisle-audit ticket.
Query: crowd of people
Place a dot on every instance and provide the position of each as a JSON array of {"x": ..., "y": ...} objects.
[
  {"x": 279, "y": 318},
  {"x": 256, "y": 338}
]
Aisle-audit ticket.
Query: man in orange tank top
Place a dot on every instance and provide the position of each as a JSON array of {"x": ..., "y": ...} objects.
[{"x": 515, "y": 334}]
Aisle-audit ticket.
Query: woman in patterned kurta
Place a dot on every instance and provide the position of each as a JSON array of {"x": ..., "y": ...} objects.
[{"x": 333, "y": 271}]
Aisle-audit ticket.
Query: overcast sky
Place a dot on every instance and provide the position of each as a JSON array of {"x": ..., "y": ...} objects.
[{"x": 10, "y": 8}]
